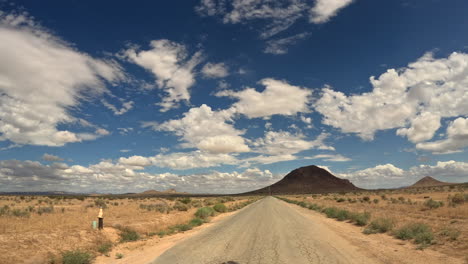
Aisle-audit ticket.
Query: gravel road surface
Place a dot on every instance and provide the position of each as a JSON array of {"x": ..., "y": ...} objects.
[{"x": 266, "y": 232}]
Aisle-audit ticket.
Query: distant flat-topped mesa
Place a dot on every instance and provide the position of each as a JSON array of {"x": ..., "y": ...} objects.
[
  {"x": 429, "y": 182},
  {"x": 310, "y": 179}
]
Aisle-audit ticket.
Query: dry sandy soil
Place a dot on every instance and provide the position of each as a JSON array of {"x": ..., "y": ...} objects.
[
  {"x": 27, "y": 236},
  {"x": 408, "y": 206}
]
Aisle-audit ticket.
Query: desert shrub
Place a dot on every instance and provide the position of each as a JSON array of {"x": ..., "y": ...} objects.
[
  {"x": 160, "y": 207},
  {"x": 45, "y": 210},
  {"x": 451, "y": 233},
  {"x": 197, "y": 203},
  {"x": 76, "y": 257},
  {"x": 331, "y": 212},
  {"x": 104, "y": 247},
  {"x": 432, "y": 204},
  {"x": 421, "y": 233},
  {"x": 376, "y": 201},
  {"x": 340, "y": 200},
  {"x": 180, "y": 206},
  {"x": 196, "y": 222},
  {"x": 162, "y": 233},
  {"x": 342, "y": 215},
  {"x": 100, "y": 203},
  {"x": 366, "y": 198},
  {"x": 128, "y": 234},
  {"x": 20, "y": 213},
  {"x": 384, "y": 197},
  {"x": 315, "y": 207},
  {"x": 360, "y": 219},
  {"x": 379, "y": 225},
  {"x": 209, "y": 202},
  {"x": 183, "y": 227},
  {"x": 185, "y": 200},
  {"x": 456, "y": 199},
  {"x": 220, "y": 208},
  {"x": 205, "y": 212},
  {"x": 4, "y": 210},
  {"x": 401, "y": 199},
  {"x": 224, "y": 199},
  {"x": 119, "y": 255}
]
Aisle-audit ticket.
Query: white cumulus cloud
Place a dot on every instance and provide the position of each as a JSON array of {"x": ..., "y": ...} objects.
[
  {"x": 171, "y": 65},
  {"x": 324, "y": 10},
  {"x": 32, "y": 100},
  {"x": 456, "y": 141},
  {"x": 278, "y": 98},
  {"x": 215, "y": 70},
  {"x": 207, "y": 130},
  {"x": 413, "y": 99}
]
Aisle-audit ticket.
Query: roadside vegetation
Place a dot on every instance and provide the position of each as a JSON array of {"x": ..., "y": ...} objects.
[
  {"x": 435, "y": 217},
  {"x": 63, "y": 224}
]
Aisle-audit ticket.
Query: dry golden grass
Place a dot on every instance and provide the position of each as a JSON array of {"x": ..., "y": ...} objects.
[
  {"x": 396, "y": 206},
  {"x": 36, "y": 238}
]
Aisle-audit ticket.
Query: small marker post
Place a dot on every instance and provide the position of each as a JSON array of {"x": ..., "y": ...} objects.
[{"x": 100, "y": 219}]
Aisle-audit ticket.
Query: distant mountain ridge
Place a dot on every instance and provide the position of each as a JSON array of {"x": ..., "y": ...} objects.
[
  {"x": 429, "y": 182},
  {"x": 171, "y": 191},
  {"x": 309, "y": 179}
]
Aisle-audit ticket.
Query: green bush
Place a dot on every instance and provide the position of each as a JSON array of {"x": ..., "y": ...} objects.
[
  {"x": 196, "y": 222},
  {"x": 185, "y": 200},
  {"x": 128, "y": 234},
  {"x": 220, "y": 208},
  {"x": 183, "y": 227},
  {"x": 180, "y": 206},
  {"x": 104, "y": 247},
  {"x": 76, "y": 257},
  {"x": 340, "y": 200},
  {"x": 431, "y": 204},
  {"x": 315, "y": 207},
  {"x": 160, "y": 207},
  {"x": 205, "y": 212},
  {"x": 4, "y": 210},
  {"x": 342, "y": 215},
  {"x": 451, "y": 233},
  {"x": 45, "y": 210},
  {"x": 119, "y": 255},
  {"x": 379, "y": 225},
  {"x": 331, "y": 212},
  {"x": 421, "y": 233},
  {"x": 360, "y": 219},
  {"x": 100, "y": 203},
  {"x": 20, "y": 213}
]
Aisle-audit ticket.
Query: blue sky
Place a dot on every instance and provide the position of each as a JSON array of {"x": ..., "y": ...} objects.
[{"x": 228, "y": 96}]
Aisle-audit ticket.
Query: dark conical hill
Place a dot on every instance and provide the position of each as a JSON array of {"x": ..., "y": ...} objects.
[{"x": 309, "y": 179}]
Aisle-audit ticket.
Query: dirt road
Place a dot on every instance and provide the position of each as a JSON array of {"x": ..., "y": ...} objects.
[{"x": 267, "y": 232}]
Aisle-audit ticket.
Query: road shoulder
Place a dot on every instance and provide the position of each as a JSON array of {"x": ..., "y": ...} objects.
[
  {"x": 145, "y": 251},
  {"x": 380, "y": 246}
]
